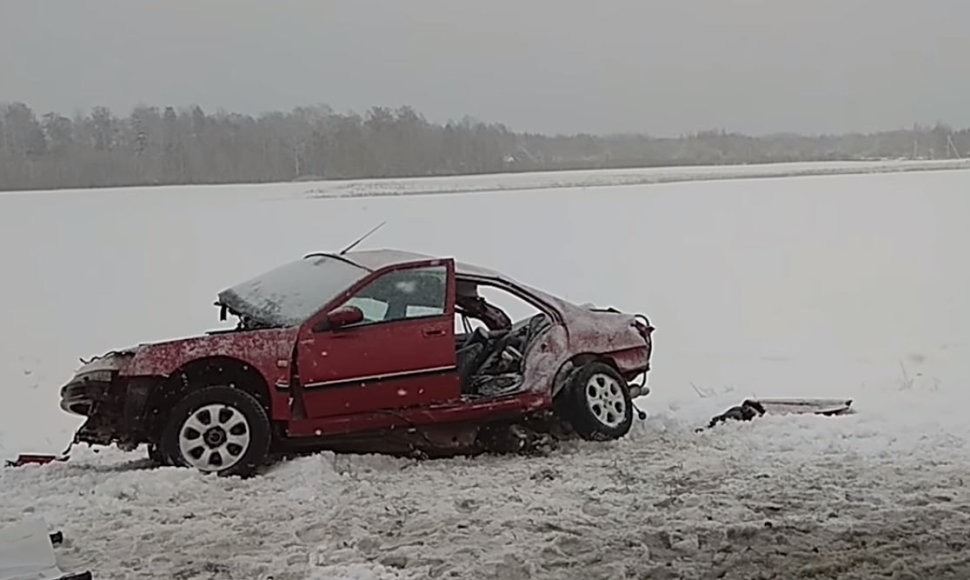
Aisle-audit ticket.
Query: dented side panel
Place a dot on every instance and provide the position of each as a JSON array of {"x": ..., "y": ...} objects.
[
  {"x": 630, "y": 361},
  {"x": 545, "y": 359},
  {"x": 593, "y": 331},
  {"x": 268, "y": 351},
  {"x": 611, "y": 335},
  {"x": 601, "y": 332},
  {"x": 260, "y": 348}
]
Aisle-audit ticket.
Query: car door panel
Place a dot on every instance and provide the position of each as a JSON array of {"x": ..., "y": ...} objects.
[{"x": 376, "y": 365}]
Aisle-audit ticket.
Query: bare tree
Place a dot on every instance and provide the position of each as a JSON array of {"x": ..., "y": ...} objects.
[{"x": 166, "y": 145}]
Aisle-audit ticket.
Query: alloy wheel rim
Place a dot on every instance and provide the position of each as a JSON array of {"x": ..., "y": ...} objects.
[
  {"x": 605, "y": 399},
  {"x": 214, "y": 437}
]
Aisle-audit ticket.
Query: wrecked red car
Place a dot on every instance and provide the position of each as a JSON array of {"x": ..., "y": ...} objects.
[{"x": 369, "y": 351}]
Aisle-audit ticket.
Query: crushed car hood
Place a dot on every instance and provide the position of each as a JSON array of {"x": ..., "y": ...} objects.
[
  {"x": 291, "y": 293},
  {"x": 109, "y": 362}
]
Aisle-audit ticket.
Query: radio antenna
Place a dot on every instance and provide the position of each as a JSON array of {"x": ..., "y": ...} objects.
[{"x": 361, "y": 239}]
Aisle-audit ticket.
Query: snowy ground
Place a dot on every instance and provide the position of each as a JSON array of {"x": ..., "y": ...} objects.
[
  {"x": 601, "y": 178},
  {"x": 847, "y": 286}
]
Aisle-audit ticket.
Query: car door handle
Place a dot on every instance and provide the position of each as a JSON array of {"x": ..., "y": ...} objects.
[{"x": 433, "y": 332}]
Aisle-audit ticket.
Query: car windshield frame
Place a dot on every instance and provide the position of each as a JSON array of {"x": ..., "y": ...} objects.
[{"x": 290, "y": 294}]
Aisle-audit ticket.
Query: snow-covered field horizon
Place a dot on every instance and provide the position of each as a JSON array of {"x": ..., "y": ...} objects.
[
  {"x": 540, "y": 180},
  {"x": 847, "y": 286}
]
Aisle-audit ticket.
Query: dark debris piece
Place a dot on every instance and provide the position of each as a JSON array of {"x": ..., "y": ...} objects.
[{"x": 746, "y": 411}]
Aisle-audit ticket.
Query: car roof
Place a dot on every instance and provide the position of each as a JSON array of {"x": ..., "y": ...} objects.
[{"x": 377, "y": 259}]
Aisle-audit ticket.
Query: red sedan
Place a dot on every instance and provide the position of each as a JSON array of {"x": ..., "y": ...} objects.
[{"x": 369, "y": 351}]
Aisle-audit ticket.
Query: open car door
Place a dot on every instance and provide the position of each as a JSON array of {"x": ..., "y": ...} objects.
[{"x": 388, "y": 344}]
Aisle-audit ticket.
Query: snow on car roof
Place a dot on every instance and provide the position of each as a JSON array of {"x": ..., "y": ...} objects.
[{"x": 377, "y": 259}]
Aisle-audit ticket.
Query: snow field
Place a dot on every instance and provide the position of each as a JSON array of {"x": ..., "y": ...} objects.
[
  {"x": 796, "y": 497},
  {"x": 838, "y": 286}
]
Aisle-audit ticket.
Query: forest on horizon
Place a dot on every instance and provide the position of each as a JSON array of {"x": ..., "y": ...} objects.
[{"x": 170, "y": 146}]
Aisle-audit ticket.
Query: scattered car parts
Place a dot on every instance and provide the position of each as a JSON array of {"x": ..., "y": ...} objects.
[{"x": 753, "y": 408}]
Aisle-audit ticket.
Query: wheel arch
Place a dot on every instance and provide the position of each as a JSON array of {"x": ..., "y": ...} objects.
[
  {"x": 205, "y": 372},
  {"x": 576, "y": 362}
]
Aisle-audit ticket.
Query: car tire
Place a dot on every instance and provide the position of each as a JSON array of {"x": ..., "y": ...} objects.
[
  {"x": 156, "y": 456},
  {"x": 596, "y": 402},
  {"x": 218, "y": 429}
]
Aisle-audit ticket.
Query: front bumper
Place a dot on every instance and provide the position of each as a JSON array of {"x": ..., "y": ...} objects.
[
  {"x": 83, "y": 397},
  {"x": 116, "y": 408}
]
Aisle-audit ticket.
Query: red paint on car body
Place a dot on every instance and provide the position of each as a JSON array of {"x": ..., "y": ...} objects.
[{"x": 372, "y": 365}]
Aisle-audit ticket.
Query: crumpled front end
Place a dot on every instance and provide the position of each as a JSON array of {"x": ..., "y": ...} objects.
[
  {"x": 92, "y": 382},
  {"x": 114, "y": 404}
]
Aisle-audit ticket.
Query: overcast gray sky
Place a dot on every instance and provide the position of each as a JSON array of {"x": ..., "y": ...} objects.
[{"x": 664, "y": 68}]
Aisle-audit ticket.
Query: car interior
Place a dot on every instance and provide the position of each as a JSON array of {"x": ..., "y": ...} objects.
[{"x": 491, "y": 355}]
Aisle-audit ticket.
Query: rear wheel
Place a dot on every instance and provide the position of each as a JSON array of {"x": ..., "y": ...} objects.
[
  {"x": 597, "y": 402},
  {"x": 218, "y": 429}
]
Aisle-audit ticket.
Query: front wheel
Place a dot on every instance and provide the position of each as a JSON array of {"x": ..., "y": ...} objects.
[
  {"x": 597, "y": 402},
  {"x": 156, "y": 456},
  {"x": 218, "y": 429}
]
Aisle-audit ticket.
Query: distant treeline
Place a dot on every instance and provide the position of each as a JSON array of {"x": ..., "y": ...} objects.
[{"x": 165, "y": 145}]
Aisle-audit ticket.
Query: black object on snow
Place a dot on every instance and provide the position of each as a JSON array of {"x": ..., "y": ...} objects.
[{"x": 746, "y": 411}]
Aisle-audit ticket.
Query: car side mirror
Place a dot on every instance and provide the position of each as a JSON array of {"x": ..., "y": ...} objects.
[{"x": 340, "y": 317}]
